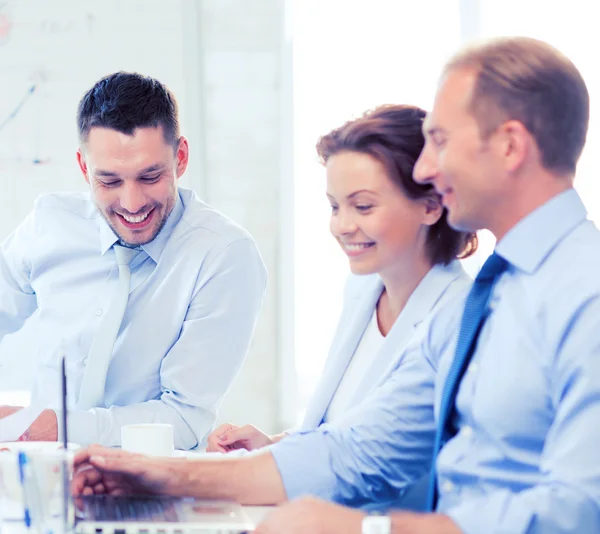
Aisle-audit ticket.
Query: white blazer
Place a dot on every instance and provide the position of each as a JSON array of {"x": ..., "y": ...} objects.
[{"x": 360, "y": 298}]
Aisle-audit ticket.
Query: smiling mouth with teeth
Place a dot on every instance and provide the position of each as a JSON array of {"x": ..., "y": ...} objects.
[
  {"x": 358, "y": 246},
  {"x": 135, "y": 219}
]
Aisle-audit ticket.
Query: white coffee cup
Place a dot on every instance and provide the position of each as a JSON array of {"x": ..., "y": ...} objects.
[{"x": 153, "y": 439}]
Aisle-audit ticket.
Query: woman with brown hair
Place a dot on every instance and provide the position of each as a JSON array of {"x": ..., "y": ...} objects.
[{"x": 402, "y": 254}]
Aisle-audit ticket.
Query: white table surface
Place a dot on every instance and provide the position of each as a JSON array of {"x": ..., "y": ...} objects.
[{"x": 256, "y": 514}]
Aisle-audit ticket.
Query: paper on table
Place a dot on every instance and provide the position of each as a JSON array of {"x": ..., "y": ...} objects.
[{"x": 13, "y": 426}]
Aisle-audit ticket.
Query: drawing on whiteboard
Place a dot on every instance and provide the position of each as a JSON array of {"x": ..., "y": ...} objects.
[
  {"x": 15, "y": 112},
  {"x": 21, "y": 106}
]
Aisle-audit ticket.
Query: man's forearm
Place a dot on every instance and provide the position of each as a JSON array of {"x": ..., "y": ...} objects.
[
  {"x": 253, "y": 480},
  {"x": 44, "y": 428},
  {"x": 407, "y": 523}
]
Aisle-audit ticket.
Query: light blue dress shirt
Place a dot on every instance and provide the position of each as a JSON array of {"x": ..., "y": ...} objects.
[
  {"x": 330, "y": 460},
  {"x": 195, "y": 294},
  {"x": 526, "y": 459}
]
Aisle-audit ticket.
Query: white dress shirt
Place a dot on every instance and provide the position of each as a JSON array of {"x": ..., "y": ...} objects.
[
  {"x": 195, "y": 293},
  {"x": 368, "y": 347}
]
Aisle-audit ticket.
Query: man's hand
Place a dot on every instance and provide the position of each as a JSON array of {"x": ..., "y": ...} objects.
[
  {"x": 44, "y": 428},
  {"x": 116, "y": 472},
  {"x": 231, "y": 437},
  {"x": 311, "y": 516}
]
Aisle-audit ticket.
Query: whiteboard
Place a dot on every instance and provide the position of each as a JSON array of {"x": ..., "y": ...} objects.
[{"x": 51, "y": 53}]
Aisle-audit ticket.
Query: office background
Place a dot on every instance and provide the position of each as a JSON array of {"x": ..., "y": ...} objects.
[{"x": 257, "y": 82}]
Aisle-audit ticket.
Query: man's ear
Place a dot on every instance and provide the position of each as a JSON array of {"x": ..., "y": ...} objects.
[
  {"x": 514, "y": 144},
  {"x": 83, "y": 165},
  {"x": 183, "y": 154}
]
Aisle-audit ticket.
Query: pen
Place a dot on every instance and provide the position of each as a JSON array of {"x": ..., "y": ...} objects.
[
  {"x": 32, "y": 499},
  {"x": 65, "y": 463},
  {"x": 26, "y": 503},
  {"x": 64, "y": 401}
]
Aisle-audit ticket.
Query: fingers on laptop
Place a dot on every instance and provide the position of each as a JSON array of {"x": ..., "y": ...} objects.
[{"x": 85, "y": 480}]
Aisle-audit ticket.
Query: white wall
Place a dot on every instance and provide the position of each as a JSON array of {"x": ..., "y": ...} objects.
[
  {"x": 242, "y": 44},
  {"x": 349, "y": 56}
]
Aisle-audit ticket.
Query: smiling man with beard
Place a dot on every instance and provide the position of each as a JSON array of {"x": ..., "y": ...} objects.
[{"x": 150, "y": 293}]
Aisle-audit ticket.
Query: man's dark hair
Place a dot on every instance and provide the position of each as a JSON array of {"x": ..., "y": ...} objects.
[{"x": 125, "y": 101}]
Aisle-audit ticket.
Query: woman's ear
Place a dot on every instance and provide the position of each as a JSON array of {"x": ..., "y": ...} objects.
[{"x": 433, "y": 209}]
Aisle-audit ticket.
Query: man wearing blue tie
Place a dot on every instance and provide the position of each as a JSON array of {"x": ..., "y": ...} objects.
[
  {"x": 518, "y": 390},
  {"x": 517, "y": 399},
  {"x": 150, "y": 293}
]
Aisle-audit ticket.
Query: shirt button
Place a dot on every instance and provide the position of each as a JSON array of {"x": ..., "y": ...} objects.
[
  {"x": 474, "y": 367},
  {"x": 447, "y": 487},
  {"x": 99, "y": 312},
  {"x": 85, "y": 361},
  {"x": 467, "y": 431}
]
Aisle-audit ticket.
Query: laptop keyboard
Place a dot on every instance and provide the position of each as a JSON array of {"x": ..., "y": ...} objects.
[
  {"x": 97, "y": 514},
  {"x": 104, "y": 508}
]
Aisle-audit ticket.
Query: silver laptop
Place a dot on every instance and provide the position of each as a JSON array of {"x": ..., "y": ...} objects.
[{"x": 101, "y": 514}]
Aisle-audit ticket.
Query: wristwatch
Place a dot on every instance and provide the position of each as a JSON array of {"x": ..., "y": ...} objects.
[{"x": 377, "y": 524}]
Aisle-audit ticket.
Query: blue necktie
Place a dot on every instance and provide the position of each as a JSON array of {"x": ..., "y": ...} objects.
[{"x": 474, "y": 315}]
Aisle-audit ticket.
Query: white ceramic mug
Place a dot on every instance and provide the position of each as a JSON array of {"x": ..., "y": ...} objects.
[{"x": 153, "y": 439}]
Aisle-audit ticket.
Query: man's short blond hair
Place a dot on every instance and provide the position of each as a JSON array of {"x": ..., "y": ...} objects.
[{"x": 527, "y": 80}]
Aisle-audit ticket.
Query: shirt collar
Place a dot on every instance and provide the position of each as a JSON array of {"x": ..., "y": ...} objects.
[
  {"x": 530, "y": 241},
  {"x": 154, "y": 249},
  {"x": 431, "y": 288}
]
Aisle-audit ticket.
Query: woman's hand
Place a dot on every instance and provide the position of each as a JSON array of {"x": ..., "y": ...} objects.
[{"x": 230, "y": 437}]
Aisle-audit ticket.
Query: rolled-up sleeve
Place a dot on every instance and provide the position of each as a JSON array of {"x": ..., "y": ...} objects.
[
  {"x": 201, "y": 365},
  {"x": 17, "y": 297}
]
